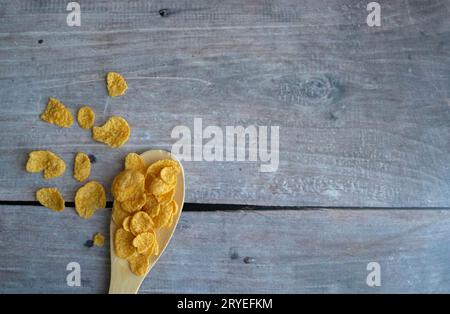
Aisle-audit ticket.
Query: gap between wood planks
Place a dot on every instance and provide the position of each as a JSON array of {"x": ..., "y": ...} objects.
[{"x": 197, "y": 207}]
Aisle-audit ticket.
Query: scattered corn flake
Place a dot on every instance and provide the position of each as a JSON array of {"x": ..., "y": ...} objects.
[
  {"x": 135, "y": 162},
  {"x": 118, "y": 214},
  {"x": 99, "y": 239},
  {"x": 123, "y": 243},
  {"x": 127, "y": 185},
  {"x": 44, "y": 160},
  {"x": 126, "y": 224},
  {"x": 55, "y": 167},
  {"x": 82, "y": 167},
  {"x": 169, "y": 175},
  {"x": 56, "y": 113},
  {"x": 139, "y": 264},
  {"x": 50, "y": 198},
  {"x": 89, "y": 198},
  {"x": 135, "y": 204},
  {"x": 141, "y": 222},
  {"x": 86, "y": 117},
  {"x": 115, "y": 132},
  {"x": 116, "y": 84},
  {"x": 144, "y": 241},
  {"x": 37, "y": 160}
]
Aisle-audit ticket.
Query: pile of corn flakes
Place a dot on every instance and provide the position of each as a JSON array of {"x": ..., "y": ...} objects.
[
  {"x": 115, "y": 132},
  {"x": 143, "y": 203}
]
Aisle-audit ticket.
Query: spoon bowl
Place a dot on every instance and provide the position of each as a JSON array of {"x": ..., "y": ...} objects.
[{"x": 122, "y": 279}]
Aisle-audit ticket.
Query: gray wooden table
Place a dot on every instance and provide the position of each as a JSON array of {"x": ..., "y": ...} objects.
[{"x": 364, "y": 151}]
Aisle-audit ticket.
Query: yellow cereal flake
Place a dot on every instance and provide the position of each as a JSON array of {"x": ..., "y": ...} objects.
[
  {"x": 144, "y": 241},
  {"x": 89, "y": 198},
  {"x": 98, "y": 239},
  {"x": 148, "y": 182},
  {"x": 123, "y": 243},
  {"x": 156, "y": 167},
  {"x": 139, "y": 264},
  {"x": 82, "y": 167},
  {"x": 135, "y": 162},
  {"x": 86, "y": 117},
  {"x": 56, "y": 113},
  {"x": 159, "y": 187},
  {"x": 44, "y": 160},
  {"x": 135, "y": 204},
  {"x": 141, "y": 222},
  {"x": 128, "y": 185},
  {"x": 118, "y": 214},
  {"x": 50, "y": 198},
  {"x": 153, "y": 250},
  {"x": 174, "y": 206},
  {"x": 115, "y": 132},
  {"x": 166, "y": 197},
  {"x": 174, "y": 213},
  {"x": 169, "y": 175},
  {"x": 116, "y": 84},
  {"x": 152, "y": 206},
  {"x": 126, "y": 224},
  {"x": 163, "y": 217}
]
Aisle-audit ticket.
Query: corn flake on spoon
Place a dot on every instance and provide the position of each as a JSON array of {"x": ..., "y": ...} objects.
[{"x": 122, "y": 279}]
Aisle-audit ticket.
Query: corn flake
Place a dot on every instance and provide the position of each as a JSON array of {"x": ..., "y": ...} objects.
[
  {"x": 127, "y": 185},
  {"x": 115, "y": 132},
  {"x": 148, "y": 182},
  {"x": 50, "y": 198},
  {"x": 153, "y": 250},
  {"x": 126, "y": 224},
  {"x": 44, "y": 160},
  {"x": 135, "y": 204},
  {"x": 86, "y": 117},
  {"x": 166, "y": 197},
  {"x": 141, "y": 222},
  {"x": 156, "y": 167},
  {"x": 56, "y": 113},
  {"x": 89, "y": 198},
  {"x": 118, "y": 214},
  {"x": 139, "y": 264},
  {"x": 98, "y": 239},
  {"x": 152, "y": 206},
  {"x": 159, "y": 187},
  {"x": 116, "y": 84},
  {"x": 123, "y": 243},
  {"x": 169, "y": 175},
  {"x": 82, "y": 167},
  {"x": 163, "y": 217},
  {"x": 135, "y": 162},
  {"x": 144, "y": 241}
]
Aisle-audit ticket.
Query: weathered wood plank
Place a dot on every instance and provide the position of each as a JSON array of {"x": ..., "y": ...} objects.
[
  {"x": 286, "y": 251},
  {"x": 363, "y": 112}
]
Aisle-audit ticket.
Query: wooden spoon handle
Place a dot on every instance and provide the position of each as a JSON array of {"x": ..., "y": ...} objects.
[{"x": 124, "y": 284}]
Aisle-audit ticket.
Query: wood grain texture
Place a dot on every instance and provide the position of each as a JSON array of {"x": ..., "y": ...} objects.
[
  {"x": 363, "y": 112},
  {"x": 269, "y": 251}
]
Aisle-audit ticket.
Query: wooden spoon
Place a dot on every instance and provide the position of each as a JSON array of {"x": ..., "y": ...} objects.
[{"x": 122, "y": 279}]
